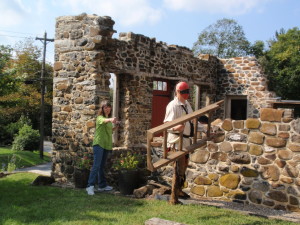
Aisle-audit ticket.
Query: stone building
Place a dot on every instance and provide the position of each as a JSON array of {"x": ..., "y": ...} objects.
[{"x": 145, "y": 73}]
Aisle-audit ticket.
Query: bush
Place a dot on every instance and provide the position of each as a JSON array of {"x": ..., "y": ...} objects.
[
  {"x": 10, "y": 130},
  {"x": 27, "y": 139}
]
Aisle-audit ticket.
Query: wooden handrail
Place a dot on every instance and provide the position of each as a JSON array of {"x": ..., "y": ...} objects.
[{"x": 164, "y": 127}]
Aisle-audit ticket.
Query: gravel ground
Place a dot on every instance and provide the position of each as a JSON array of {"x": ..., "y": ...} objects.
[{"x": 247, "y": 209}]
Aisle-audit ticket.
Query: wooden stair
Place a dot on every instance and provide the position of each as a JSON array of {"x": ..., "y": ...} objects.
[{"x": 176, "y": 155}]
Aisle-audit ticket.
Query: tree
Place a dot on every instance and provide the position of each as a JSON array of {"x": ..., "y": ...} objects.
[
  {"x": 17, "y": 98},
  {"x": 224, "y": 39},
  {"x": 282, "y": 64}
]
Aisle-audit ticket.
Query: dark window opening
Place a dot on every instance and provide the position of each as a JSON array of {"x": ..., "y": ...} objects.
[{"x": 238, "y": 109}]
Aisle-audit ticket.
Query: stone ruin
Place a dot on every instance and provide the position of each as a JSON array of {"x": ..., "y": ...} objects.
[{"x": 86, "y": 56}]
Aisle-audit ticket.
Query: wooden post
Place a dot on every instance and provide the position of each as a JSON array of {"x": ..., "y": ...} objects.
[{"x": 175, "y": 185}]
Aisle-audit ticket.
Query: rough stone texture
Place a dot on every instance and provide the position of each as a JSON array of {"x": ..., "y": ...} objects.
[
  {"x": 256, "y": 138},
  {"x": 273, "y": 115},
  {"x": 268, "y": 128},
  {"x": 276, "y": 142},
  {"x": 86, "y": 55},
  {"x": 227, "y": 125},
  {"x": 252, "y": 123},
  {"x": 200, "y": 156},
  {"x": 230, "y": 181},
  {"x": 255, "y": 149}
]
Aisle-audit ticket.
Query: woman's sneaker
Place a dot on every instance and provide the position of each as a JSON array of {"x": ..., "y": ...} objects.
[
  {"x": 90, "y": 190},
  {"x": 107, "y": 188}
]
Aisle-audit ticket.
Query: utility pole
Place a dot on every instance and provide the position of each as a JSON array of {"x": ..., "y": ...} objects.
[{"x": 45, "y": 41}]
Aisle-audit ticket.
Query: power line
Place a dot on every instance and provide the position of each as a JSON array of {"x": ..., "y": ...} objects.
[{"x": 4, "y": 35}]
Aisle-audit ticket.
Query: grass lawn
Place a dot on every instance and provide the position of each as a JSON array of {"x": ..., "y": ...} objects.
[
  {"x": 21, "y": 203},
  {"x": 23, "y": 158}
]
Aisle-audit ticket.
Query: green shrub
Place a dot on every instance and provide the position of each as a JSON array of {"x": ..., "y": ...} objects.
[
  {"x": 10, "y": 130},
  {"x": 27, "y": 139}
]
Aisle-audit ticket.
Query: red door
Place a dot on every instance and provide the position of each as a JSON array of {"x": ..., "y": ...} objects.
[{"x": 160, "y": 99}]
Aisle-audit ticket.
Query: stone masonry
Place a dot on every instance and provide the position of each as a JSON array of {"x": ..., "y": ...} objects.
[
  {"x": 255, "y": 161},
  {"x": 86, "y": 55}
]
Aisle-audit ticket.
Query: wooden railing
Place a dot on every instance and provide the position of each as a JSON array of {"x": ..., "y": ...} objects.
[{"x": 167, "y": 158}]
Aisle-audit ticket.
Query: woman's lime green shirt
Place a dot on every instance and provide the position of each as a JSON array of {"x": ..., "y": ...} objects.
[{"x": 103, "y": 133}]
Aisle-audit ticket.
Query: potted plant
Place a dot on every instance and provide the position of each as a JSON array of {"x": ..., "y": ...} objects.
[
  {"x": 128, "y": 174},
  {"x": 82, "y": 171}
]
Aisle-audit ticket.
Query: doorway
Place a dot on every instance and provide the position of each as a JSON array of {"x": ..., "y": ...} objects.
[
  {"x": 160, "y": 99},
  {"x": 236, "y": 107}
]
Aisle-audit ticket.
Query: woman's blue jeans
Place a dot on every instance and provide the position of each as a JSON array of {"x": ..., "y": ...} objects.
[{"x": 97, "y": 171}]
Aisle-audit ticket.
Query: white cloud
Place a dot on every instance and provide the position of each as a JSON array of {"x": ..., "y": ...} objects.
[
  {"x": 126, "y": 12},
  {"x": 231, "y": 7},
  {"x": 11, "y": 12}
]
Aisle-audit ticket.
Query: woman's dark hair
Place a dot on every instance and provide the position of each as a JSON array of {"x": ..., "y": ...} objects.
[{"x": 102, "y": 105}]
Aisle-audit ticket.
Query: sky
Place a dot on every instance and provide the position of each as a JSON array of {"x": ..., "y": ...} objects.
[{"x": 176, "y": 22}]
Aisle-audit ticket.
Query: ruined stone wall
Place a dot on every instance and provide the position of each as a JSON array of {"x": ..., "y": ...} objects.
[
  {"x": 244, "y": 76},
  {"x": 256, "y": 161},
  {"x": 85, "y": 56}
]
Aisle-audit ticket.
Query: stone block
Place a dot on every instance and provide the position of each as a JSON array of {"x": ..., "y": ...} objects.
[
  {"x": 240, "y": 147},
  {"x": 200, "y": 156},
  {"x": 248, "y": 172},
  {"x": 255, "y": 196},
  {"x": 256, "y": 137},
  {"x": 230, "y": 181},
  {"x": 268, "y": 128},
  {"x": 238, "y": 124},
  {"x": 213, "y": 176},
  {"x": 198, "y": 190},
  {"x": 236, "y": 137},
  {"x": 296, "y": 125},
  {"x": 252, "y": 123},
  {"x": 227, "y": 125},
  {"x": 270, "y": 172},
  {"x": 200, "y": 180},
  {"x": 294, "y": 147},
  {"x": 264, "y": 161},
  {"x": 268, "y": 114},
  {"x": 285, "y": 154},
  {"x": 284, "y": 135},
  {"x": 57, "y": 66},
  {"x": 239, "y": 157},
  {"x": 225, "y": 146},
  {"x": 214, "y": 191},
  {"x": 255, "y": 149},
  {"x": 275, "y": 142},
  {"x": 277, "y": 196}
]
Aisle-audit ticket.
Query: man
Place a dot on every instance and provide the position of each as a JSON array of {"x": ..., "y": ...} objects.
[{"x": 178, "y": 107}]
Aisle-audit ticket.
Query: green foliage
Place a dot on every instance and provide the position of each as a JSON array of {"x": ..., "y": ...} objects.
[
  {"x": 11, "y": 166},
  {"x": 27, "y": 139},
  {"x": 130, "y": 161},
  {"x": 225, "y": 39},
  {"x": 282, "y": 64},
  {"x": 10, "y": 130},
  {"x": 84, "y": 162},
  {"x": 17, "y": 98}
]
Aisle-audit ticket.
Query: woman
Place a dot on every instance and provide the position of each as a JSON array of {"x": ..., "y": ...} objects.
[{"x": 102, "y": 145}]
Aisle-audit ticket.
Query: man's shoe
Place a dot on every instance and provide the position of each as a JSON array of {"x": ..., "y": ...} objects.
[
  {"x": 90, "y": 190},
  {"x": 107, "y": 188}
]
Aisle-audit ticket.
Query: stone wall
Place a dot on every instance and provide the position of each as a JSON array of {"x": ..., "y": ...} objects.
[
  {"x": 244, "y": 76},
  {"x": 85, "y": 56},
  {"x": 255, "y": 161}
]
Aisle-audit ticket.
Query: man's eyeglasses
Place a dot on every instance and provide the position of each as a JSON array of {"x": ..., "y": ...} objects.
[{"x": 186, "y": 91}]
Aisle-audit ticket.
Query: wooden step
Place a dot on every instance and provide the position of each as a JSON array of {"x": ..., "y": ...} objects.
[{"x": 172, "y": 157}]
